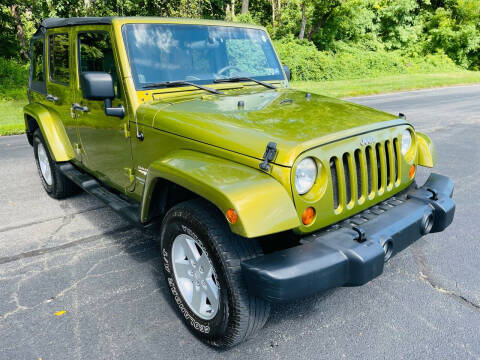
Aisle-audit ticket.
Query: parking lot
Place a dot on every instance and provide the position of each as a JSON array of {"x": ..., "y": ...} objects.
[{"x": 78, "y": 282}]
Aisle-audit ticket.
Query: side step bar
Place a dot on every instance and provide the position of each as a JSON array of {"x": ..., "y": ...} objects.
[{"x": 129, "y": 210}]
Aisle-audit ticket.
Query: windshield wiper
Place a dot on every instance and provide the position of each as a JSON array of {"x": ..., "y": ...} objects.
[
  {"x": 244, "y": 78},
  {"x": 181, "y": 83}
]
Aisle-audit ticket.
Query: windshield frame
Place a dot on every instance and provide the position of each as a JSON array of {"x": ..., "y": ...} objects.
[{"x": 140, "y": 86}]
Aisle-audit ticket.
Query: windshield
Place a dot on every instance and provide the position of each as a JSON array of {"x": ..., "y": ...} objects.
[{"x": 198, "y": 53}]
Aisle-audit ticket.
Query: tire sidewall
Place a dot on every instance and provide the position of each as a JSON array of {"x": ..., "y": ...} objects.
[
  {"x": 36, "y": 141},
  {"x": 180, "y": 222}
]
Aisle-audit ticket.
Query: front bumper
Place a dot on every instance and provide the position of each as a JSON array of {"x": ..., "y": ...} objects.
[{"x": 353, "y": 252}]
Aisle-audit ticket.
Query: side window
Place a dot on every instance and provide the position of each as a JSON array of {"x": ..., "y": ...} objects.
[
  {"x": 58, "y": 49},
  {"x": 38, "y": 73},
  {"x": 96, "y": 54}
]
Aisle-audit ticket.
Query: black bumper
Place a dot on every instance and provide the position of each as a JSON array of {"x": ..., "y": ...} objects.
[{"x": 353, "y": 252}]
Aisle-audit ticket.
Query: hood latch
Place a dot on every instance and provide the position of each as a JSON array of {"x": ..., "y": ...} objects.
[{"x": 269, "y": 155}]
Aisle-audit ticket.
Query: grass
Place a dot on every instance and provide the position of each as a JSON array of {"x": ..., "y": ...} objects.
[
  {"x": 387, "y": 84},
  {"x": 11, "y": 114},
  {"x": 11, "y": 117}
]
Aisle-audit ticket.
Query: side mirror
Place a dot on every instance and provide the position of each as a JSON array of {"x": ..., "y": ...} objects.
[
  {"x": 287, "y": 72},
  {"x": 97, "y": 85}
]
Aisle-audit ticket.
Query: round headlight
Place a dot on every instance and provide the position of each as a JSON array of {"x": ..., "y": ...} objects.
[
  {"x": 305, "y": 175},
  {"x": 406, "y": 141}
]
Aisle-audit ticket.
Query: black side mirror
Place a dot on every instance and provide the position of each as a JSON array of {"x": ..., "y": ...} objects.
[
  {"x": 287, "y": 72},
  {"x": 97, "y": 85}
]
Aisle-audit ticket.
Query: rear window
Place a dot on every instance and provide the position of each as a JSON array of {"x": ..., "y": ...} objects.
[
  {"x": 38, "y": 73},
  {"x": 58, "y": 49}
]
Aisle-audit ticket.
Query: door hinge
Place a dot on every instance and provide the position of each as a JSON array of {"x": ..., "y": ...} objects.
[
  {"x": 77, "y": 148},
  {"x": 126, "y": 131},
  {"x": 131, "y": 174}
]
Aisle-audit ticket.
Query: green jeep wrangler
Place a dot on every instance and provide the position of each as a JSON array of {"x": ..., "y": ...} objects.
[{"x": 259, "y": 193}]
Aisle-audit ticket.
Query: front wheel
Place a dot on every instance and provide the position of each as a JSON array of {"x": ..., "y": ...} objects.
[
  {"x": 54, "y": 182},
  {"x": 201, "y": 259}
]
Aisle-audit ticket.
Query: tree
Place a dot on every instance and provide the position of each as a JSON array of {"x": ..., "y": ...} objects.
[
  {"x": 244, "y": 6},
  {"x": 301, "y": 35}
]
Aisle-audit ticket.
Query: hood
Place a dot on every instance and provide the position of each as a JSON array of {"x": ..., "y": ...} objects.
[{"x": 294, "y": 121}]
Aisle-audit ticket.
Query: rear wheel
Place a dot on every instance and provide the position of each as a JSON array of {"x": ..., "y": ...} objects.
[
  {"x": 201, "y": 259},
  {"x": 54, "y": 182}
]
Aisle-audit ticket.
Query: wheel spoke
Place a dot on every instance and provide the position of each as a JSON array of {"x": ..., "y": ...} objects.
[
  {"x": 205, "y": 265},
  {"x": 198, "y": 299},
  {"x": 182, "y": 269},
  {"x": 190, "y": 249},
  {"x": 212, "y": 293}
]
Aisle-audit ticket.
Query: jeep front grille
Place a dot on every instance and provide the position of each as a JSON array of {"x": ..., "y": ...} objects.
[{"x": 364, "y": 173}]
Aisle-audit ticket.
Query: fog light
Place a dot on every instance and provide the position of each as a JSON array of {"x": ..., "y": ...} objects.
[
  {"x": 411, "y": 173},
  {"x": 308, "y": 215},
  {"x": 232, "y": 216}
]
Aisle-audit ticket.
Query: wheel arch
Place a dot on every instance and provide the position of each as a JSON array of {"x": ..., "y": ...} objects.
[
  {"x": 53, "y": 131},
  {"x": 426, "y": 153},
  {"x": 261, "y": 202}
]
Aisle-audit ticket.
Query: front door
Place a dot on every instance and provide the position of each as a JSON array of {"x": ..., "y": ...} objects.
[{"x": 105, "y": 142}]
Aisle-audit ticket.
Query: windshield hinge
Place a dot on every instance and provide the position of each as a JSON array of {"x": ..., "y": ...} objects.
[{"x": 269, "y": 155}]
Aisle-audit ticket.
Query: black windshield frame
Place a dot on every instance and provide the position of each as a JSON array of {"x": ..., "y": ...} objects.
[{"x": 139, "y": 85}]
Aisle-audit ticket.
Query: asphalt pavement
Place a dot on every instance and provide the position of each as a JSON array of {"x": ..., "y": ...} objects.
[{"x": 78, "y": 282}]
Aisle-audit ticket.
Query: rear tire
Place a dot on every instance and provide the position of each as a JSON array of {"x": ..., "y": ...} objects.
[
  {"x": 233, "y": 314},
  {"x": 57, "y": 185}
]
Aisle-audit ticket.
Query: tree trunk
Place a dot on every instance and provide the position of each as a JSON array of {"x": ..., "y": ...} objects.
[
  {"x": 20, "y": 33},
  {"x": 244, "y": 6},
  {"x": 273, "y": 12},
  {"x": 279, "y": 13},
  {"x": 304, "y": 22},
  {"x": 233, "y": 9}
]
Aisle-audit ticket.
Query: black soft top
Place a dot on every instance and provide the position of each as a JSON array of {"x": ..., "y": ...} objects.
[
  {"x": 61, "y": 22},
  {"x": 51, "y": 23}
]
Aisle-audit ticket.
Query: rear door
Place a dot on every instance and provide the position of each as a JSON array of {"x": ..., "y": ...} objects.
[
  {"x": 60, "y": 82},
  {"x": 105, "y": 140}
]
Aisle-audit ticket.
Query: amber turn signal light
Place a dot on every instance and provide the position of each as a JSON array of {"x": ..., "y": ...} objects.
[
  {"x": 308, "y": 215},
  {"x": 232, "y": 216},
  {"x": 411, "y": 173}
]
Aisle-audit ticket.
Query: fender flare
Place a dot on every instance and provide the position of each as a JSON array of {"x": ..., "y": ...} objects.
[
  {"x": 52, "y": 130},
  {"x": 426, "y": 153},
  {"x": 263, "y": 205}
]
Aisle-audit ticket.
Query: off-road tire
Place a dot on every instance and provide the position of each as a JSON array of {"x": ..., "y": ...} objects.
[
  {"x": 61, "y": 186},
  {"x": 240, "y": 314}
]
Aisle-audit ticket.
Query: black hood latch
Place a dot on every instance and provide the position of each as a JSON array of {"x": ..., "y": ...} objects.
[{"x": 269, "y": 155}]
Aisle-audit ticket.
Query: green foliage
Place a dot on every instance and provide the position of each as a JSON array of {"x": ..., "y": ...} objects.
[
  {"x": 348, "y": 62},
  {"x": 14, "y": 79}
]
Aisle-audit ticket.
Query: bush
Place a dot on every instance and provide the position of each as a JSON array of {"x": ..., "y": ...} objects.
[
  {"x": 349, "y": 62},
  {"x": 14, "y": 81}
]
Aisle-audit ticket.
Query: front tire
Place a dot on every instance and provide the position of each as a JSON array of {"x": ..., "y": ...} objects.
[
  {"x": 201, "y": 259},
  {"x": 54, "y": 182}
]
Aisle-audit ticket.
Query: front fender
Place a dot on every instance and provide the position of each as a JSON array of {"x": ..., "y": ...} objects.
[
  {"x": 262, "y": 203},
  {"x": 426, "y": 154},
  {"x": 52, "y": 130}
]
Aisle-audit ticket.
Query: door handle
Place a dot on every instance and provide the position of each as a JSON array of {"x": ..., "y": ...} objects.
[
  {"x": 51, "y": 98},
  {"x": 78, "y": 107}
]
